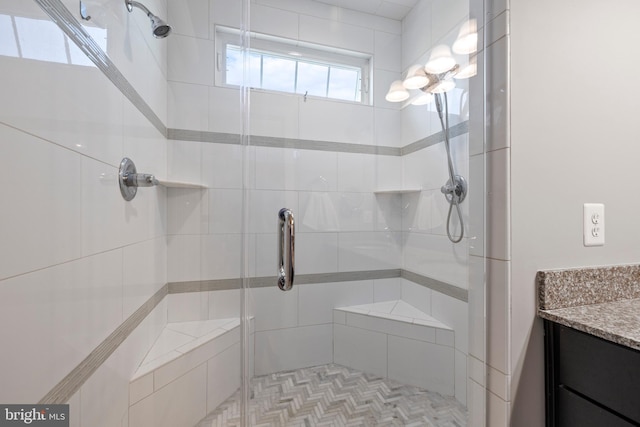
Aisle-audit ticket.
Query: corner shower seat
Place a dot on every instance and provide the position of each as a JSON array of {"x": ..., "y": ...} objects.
[
  {"x": 395, "y": 340},
  {"x": 190, "y": 361}
]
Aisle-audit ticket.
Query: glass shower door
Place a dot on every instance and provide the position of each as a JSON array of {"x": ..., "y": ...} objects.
[{"x": 382, "y": 301}]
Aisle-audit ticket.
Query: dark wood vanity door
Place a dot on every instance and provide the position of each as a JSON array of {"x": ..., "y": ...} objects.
[{"x": 590, "y": 381}]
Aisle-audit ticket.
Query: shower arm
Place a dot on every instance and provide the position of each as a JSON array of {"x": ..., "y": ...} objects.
[{"x": 131, "y": 4}]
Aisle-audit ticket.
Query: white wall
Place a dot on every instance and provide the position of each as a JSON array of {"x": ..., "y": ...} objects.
[
  {"x": 571, "y": 143},
  {"x": 77, "y": 259}
]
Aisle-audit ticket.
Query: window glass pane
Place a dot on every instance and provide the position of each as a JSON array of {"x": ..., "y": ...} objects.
[
  {"x": 278, "y": 73},
  {"x": 343, "y": 84},
  {"x": 41, "y": 40},
  {"x": 312, "y": 79},
  {"x": 8, "y": 46},
  {"x": 234, "y": 66},
  {"x": 255, "y": 70}
]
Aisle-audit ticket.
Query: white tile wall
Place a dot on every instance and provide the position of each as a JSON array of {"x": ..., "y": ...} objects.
[
  {"x": 160, "y": 409},
  {"x": 223, "y": 376},
  {"x": 188, "y": 106},
  {"x": 368, "y": 251},
  {"x": 360, "y": 349},
  {"x": 192, "y": 60},
  {"x": 292, "y": 348},
  {"x": 44, "y": 225},
  {"x": 421, "y": 363},
  {"x": 316, "y": 302},
  {"x": 387, "y": 290},
  {"x": 435, "y": 256},
  {"x": 316, "y": 253}
]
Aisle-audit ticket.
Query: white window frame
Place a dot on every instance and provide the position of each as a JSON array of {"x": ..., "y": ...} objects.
[{"x": 294, "y": 50}]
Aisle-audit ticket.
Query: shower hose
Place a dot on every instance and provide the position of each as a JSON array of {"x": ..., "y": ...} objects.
[{"x": 444, "y": 122}]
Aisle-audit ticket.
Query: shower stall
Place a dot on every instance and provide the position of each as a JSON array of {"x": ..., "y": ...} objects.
[{"x": 301, "y": 238}]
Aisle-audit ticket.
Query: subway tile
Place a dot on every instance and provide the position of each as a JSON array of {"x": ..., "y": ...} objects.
[
  {"x": 183, "y": 258},
  {"x": 221, "y": 256},
  {"x": 436, "y": 257},
  {"x": 187, "y": 307},
  {"x": 188, "y": 105},
  {"x": 70, "y": 308},
  {"x": 189, "y": 18},
  {"x": 140, "y": 388},
  {"x": 341, "y": 35},
  {"x": 274, "y": 21},
  {"x": 316, "y": 253},
  {"x": 274, "y": 309},
  {"x": 224, "y": 304},
  {"x": 183, "y": 402},
  {"x": 292, "y": 169},
  {"x": 144, "y": 272},
  {"x": 356, "y": 172},
  {"x": 325, "y": 120},
  {"x": 368, "y": 251},
  {"x": 52, "y": 207},
  {"x": 453, "y": 313},
  {"x": 281, "y": 122},
  {"x": 360, "y": 349},
  {"x": 422, "y": 364},
  {"x": 388, "y": 50},
  {"x": 191, "y": 60},
  {"x": 498, "y": 213},
  {"x": 223, "y": 376},
  {"x": 416, "y": 295},
  {"x": 292, "y": 348},
  {"x": 317, "y": 301},
  {"x": 223, "y": 165},
  {"x": 225, "y": 110},
  {"x": 387, "y": 289},
  {"x": 460, "y": 383},
  {"x": 498, "y": 313},
  {"x": 187, "y": 211}
]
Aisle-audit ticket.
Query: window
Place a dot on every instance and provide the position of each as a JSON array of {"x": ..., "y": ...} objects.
[
  {"x": 281, "y": 65},
  {"x": 42, "y": 40}
]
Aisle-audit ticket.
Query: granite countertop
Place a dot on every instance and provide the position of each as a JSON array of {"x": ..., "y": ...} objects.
[
  {"x": 617, "y": 321},
  {"x": 601, "y": 301}
]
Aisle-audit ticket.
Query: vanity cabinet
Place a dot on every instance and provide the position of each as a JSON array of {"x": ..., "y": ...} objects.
[{"x": 589, "y": 381}]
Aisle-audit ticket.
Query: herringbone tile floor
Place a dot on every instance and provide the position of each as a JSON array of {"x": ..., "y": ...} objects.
[{"x": 335, "y": 396}]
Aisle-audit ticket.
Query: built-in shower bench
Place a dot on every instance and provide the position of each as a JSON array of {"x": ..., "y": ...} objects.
[
  {"x": 192, "y": 364},
  {"x": 395, "y": 340}
]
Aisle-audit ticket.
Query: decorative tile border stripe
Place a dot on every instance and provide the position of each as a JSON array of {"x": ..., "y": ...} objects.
[
  {"x": 70, "y": 384},
  {"x": 454, "y": 131},
  {"x": 307, "y": 144},
  {"x": 276, "y": 142},
  {"x": 308, "y": 279},
  {"x": 61, "y": 16},
  {"x": 436, "y": 285},
  {"x": 585, "y": 286}
]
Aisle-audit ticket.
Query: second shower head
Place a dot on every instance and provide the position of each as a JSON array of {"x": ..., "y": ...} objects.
[{"x": 159, "y": 28}]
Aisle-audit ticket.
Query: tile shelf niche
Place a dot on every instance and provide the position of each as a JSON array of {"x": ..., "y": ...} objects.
[{"x": 179, "y": 184}]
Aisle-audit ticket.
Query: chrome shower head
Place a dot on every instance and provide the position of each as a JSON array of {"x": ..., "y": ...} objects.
[{"x": 159, "y": 28}]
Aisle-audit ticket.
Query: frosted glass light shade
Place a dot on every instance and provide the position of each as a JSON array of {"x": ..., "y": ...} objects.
[
  {"x": 467, "y": 41},
  {"x": 422, "y": 99},
  {"x": 467, "y": 71},
  {"x": 397, "y": 92},
  {"x": 416, "y": 77},
  {"x": 440, "y": 60}
]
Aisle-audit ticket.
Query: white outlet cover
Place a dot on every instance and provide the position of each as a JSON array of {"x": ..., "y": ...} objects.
[{"x": 593, "y": 224}]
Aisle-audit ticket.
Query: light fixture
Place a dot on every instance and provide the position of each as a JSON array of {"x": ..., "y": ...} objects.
[
  {"x": 416, "y": 77},
  {"x": 467, "y": 41},
  {"x": 159, "y": 28},
  {"x": 440, "y": 60},
  {"x": 397, "y": 92},
  {"x": 467, "y": 71},
  {"x": 443, "y": 86}
]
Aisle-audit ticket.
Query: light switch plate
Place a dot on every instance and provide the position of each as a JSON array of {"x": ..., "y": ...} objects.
[{"x": 593, "y": 224}]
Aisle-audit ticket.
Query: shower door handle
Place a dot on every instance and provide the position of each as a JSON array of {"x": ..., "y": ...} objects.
[{"x": 286, "y": 249}]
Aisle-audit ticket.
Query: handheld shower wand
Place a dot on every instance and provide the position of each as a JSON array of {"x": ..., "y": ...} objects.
[{"x": 455, "y": 189}]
